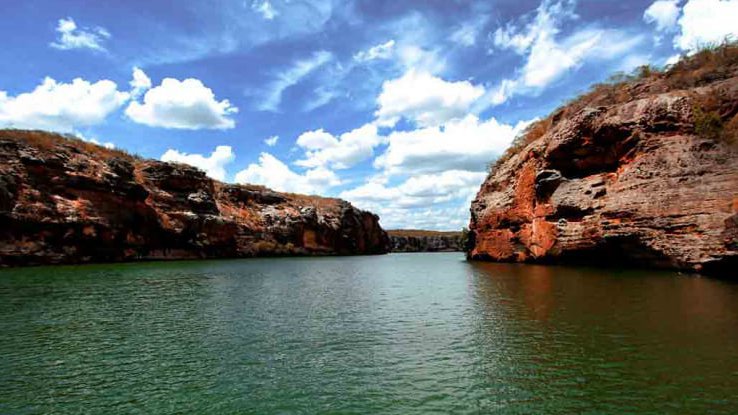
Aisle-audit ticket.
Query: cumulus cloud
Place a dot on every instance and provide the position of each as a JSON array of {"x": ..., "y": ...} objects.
[
  {"x": 429, "y": 201},
  {"x": 419, "y": 191},
  {"x": 72, "y": 37},
  {"x": 213, "y": 165},
  {"x": 462, "y": 144},
  {"x": 381, "y": 51},
  {"x": 271, "y": 141},
  {"x": 275, "y": 174},
  {"x": 292, "y": 76},
  {"x": 663, "y": 14},
  {"x": 322, "y": 149},
  {"x": 59, "y": 106},
  {"x": 187, "y": 104},
  {"x": 425, "y": 99},
  {"x": 705, "y": 22}
]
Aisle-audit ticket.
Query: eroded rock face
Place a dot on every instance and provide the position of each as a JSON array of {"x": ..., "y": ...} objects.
[
  {"x": 626, "y": 184},
  {"x": 64, "y": 201}
]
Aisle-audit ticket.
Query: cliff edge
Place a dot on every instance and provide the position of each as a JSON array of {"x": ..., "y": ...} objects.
[
  {"x": 639, "y": 172},
  {"x": 68, "y": 201}
]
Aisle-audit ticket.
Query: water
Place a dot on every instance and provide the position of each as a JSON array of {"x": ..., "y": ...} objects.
[{"x": 394, "y": 334}]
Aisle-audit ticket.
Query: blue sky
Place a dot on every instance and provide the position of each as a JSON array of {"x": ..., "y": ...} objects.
[{"x": 396, "y": 106}]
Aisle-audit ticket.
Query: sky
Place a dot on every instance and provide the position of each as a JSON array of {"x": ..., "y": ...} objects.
[{"x": 396, "y": 106}]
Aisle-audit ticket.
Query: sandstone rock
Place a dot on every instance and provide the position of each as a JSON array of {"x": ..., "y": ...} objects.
[
  {"x": 65, "y": 201},
  {"x": 630, "y": 183}
]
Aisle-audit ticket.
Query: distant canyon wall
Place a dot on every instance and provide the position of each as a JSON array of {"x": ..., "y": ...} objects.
[{"x": 425, "y": 241}]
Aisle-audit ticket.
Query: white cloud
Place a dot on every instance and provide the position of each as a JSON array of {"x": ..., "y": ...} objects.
[
  {"x": 187, "y": 104},
  {"x": 264, "y": 8},
  {"x": 381, "y": 51},
  {"x": 59, "y": 106},
  {"x": 545, "y": 25},
  {"x": 213, "y": 165},
  {"x": 316, "y": 140},
  {"x": 73, "y": 37},
  {"x": 673, "y": 59},
  {"x": 548, "y": 60},
  {"x": 271, "y": 141},
  {"x": 322, "y": 149},
  {"x": 140, "y": 82},
  {"x": 663, "y": 14},
  {"x": 419, "y": 191},
  {"x": 705, "y": 22},
  {"x": 503, "y": 91},
  {"x": 416, "y": 58},
  {"x": 290, "y": 77},
  {"x": 273, "y": 173},
  {"x": 549, "y": 56},
  {"x": 425, "y": 99},
  {"x": 463, "y": 144},
  {"x": 430, "y": 201}
]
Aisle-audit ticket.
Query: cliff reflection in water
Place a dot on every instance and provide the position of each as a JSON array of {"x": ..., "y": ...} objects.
[{"x": 610, "y": 338}]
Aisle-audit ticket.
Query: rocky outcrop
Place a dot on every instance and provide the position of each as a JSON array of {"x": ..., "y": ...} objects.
[
  {"x": 67, "y": 201},
  {"x": 649, "y": 178},
  {"x": 425, "y": 241}
]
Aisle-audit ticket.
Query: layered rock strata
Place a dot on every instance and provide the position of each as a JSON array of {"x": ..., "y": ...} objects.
[
  {"x": 646, "y": 180},
  {"x": 67, "y": 201}
]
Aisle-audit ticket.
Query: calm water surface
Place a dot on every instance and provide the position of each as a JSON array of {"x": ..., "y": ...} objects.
[{"x": 394, "y": 334}]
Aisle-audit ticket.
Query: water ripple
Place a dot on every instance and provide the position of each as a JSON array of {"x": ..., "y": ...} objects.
[{"x": 396, "y": 334}]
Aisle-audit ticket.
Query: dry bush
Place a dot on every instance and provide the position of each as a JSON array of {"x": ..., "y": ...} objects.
[
  {"x": 714, "y": 116},
  {"x": 712, "y": 63},
  {"x": 730, "y": 132},
  {"x": 707, "y": 123},
  {"x": 47, "y": 141},
  {"x": 532, "y": 132},
  {"x": 708, "y": 65}
]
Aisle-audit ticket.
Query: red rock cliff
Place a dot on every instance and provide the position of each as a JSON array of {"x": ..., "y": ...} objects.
[
  {"x": 66, "y": 201},
  {"x": 642, "y": 172}
]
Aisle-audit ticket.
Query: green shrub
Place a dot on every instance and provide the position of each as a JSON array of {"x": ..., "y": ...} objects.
[{"x": 707, "y": 123}]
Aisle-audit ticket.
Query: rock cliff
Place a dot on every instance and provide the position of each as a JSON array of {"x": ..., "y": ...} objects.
[
  {"x": 67, "y": 201},
  {"x": 640, "y": 172},
  {"x": 425, "y": 241}
]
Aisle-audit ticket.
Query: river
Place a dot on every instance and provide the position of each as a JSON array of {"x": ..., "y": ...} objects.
[{"x": 391, "y": 334}]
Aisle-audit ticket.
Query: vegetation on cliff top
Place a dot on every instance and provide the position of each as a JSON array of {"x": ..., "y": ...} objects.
[{"x": 711, "y": 64}]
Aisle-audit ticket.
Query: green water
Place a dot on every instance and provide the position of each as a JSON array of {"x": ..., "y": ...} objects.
[{"x": 394, "y": 334}]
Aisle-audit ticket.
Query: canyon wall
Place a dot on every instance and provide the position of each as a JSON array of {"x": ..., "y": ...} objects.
[
  {"x": 425, "y": 241},
  {"x": 638, "y": 173},
  {"x": 68, "y": 201}
]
